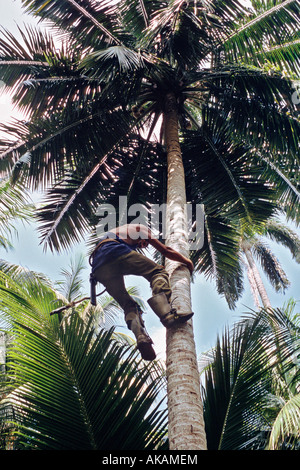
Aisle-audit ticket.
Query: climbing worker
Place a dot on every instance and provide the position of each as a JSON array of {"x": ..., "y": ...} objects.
[{"x": 114, "y": 257}]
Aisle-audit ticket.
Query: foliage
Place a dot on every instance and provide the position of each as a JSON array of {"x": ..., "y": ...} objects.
[
  {"x": 14, "y": 206},
  {"x": 251, "y": 384},
  {"x": 94, "y": 103},
  {"x": 257, "y": 246},
  {"x": 70, "y": 386}
]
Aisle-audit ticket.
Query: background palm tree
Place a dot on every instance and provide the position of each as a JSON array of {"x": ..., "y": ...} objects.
[
  {"x": 256, "y": 247},
  {"x": 251, "y": 383},
  {"x": 69, "y": 386},
  {"x": 222, "y": 68}
]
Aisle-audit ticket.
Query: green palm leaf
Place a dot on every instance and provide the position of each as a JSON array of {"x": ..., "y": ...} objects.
[
  {"x": 216, "y": 61},
  {"x": 271, "y": 266},
  {"x": 63, "y": 135},
  {"x": 259, "y": 29},
  {"x": 18, "y": 60},
  {"x": 287, "y": 424},
  {"x": 95, "y": 21},
  {"x": 285, "y": 56},
  {"x": 239, "y": 377},
  {"x": 124, "y": 58},
  {"x": 284, "y": 235},
  {"x": 71, "y": 284},
  {"x": 285, "y": 176},
  {"x": 14, "y": 205},
  {"x": 219, "y": 258},
  {"x": 71, "y": 387}
]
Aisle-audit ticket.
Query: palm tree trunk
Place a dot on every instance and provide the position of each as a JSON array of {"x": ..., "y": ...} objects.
[
  {"x": 257, "y": 279},
  {"x": 253, "y": 286},
  {"x": 186, "y": 425}
]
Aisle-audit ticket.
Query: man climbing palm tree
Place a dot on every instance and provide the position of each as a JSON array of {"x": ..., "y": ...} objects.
[{"x": 116, "y": 256}]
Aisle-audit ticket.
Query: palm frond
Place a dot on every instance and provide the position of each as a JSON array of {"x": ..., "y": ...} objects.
[
  {"x": 284, "y": 57},
  {"x": 135, "y": 15},
  {"x": 239, "y": 378},
  {"x": 284, "y": 235},
  {"x": 271, "y": 266},
  {"x": 219, "y": 258},
  {"x": 56, "y": 143},
  {"x": 71, "y": 284},
  {"x": 18, "y": 273},
  {"x": 268, "y": 24},
  {"x": 113, "y": 60},
  {"x": 285, "y": 176},
  {"x": 230, "y": 13},
  {"x": 15, "y": 204},
  {"x": 91, "y": 22},
  {"x": 20, "y": 59},
  {"x": 42, "y": 76},
  {"x": 212, "y": 158},
  {"x": 69, "y": 209},
  {"x": 286, "y": 426},
  {"x": 37, "y": 97},
  {"x": 259, "y": 104},
  {"x": 71, "y": 203},
  {"x": 69, "y": 383}
]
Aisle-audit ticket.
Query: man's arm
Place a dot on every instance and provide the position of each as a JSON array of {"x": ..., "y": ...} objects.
[
  {"x": 170, "y": 253},
  {"x": 146, "y": 234}
]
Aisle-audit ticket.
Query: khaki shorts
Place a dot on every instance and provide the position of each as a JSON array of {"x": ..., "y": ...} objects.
[{"x": 111, "y": 275}]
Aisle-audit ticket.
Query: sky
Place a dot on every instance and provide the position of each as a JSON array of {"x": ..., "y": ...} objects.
[{"x": 211, "y": 313}]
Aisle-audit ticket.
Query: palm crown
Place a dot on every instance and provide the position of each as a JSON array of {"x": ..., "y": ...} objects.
[{"x": 94, "y": 103}]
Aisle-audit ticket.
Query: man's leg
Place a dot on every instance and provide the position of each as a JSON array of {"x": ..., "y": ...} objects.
[
  {"x": 138, "y": 264},
  {"x": 133, "y": 315}
]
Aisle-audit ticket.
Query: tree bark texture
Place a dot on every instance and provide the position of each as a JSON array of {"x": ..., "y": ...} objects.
[
  {"x": 257, "y": 279},
  {"x": 253, "y": 286},
  {"x": 186, "y": 426}
]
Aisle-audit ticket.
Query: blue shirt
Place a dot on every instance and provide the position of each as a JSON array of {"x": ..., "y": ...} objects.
[{"x": 110, "y": 250}]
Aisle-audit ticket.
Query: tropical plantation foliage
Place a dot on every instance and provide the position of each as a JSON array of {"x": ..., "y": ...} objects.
[
  {"x": 68, "y": 384},
  {"x": 72, "y": 384},
  {"x": 251, "y": 383},
  {"x": 162, "y": 101}
]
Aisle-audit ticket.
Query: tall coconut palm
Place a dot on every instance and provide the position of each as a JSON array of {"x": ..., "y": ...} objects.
[
  {"x": 126, "y": 68},
  {"x": 256, "y": 247}
]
